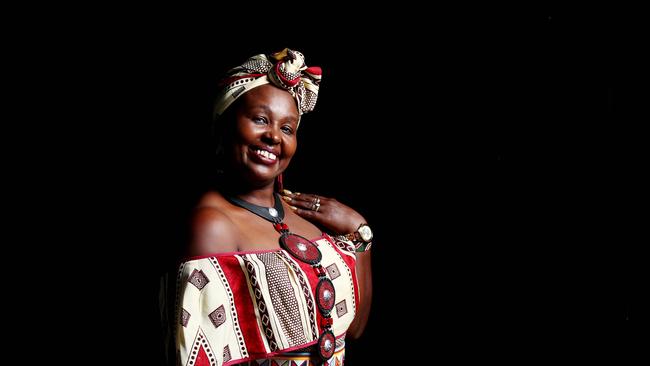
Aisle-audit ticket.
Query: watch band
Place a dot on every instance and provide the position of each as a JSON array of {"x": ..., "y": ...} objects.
[
  {"x": 356, "y": 238},
  {"x": 351, "y": 236},
  {"x": 359, "y": 245},
  {"x": 362, "y": 246}
]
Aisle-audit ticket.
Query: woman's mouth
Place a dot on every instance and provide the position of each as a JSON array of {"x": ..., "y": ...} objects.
[{"x": 264, "y": 156}]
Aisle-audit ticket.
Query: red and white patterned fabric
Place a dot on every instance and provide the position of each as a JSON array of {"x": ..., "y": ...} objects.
[
  {"x": 300, "y": 359},
  {"x": 285, "y": 69},
  {"x": 251, "y": 306}
]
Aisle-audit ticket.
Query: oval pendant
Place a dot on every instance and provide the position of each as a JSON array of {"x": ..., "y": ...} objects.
[
  {"x": 326, "y": 345},
  {"x": 325, "y": 295},
  {"x": 300, "y": 248}
]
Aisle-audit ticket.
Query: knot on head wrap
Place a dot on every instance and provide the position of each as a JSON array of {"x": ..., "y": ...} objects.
[{"x": 285, "y": 69}]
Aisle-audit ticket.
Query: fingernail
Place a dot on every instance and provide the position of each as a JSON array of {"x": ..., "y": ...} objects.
[
  {"x": 293, "y": 207},
  {"x": 286, "y": 191},
  {"x": 288, "y": 199}
]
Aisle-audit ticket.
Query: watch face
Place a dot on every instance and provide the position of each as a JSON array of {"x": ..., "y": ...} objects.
[{"x": 365, "y": 233}]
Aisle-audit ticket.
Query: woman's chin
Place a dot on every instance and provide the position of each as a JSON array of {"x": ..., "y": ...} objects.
[{"x": 263, "y": 176}]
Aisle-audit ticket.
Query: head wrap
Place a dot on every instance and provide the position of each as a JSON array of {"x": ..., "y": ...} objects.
[{"x": 285, "y": 69}]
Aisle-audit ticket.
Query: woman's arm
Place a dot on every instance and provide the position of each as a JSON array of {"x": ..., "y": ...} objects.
[{"x": 364, "y": 278}]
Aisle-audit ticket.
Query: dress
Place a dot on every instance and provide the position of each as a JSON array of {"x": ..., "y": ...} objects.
[{"x": 258, "y": 307}]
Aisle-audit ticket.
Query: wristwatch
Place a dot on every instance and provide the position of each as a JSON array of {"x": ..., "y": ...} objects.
[{"x": 362, "y": 237}]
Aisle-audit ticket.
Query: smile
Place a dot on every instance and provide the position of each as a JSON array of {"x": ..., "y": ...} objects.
[{"x": 266, "y": 155}]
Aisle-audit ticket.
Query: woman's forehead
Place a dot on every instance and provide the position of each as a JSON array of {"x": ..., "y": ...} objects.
[{"x": 272, "y": 99}]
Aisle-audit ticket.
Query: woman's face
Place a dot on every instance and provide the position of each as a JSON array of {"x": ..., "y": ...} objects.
[{"x": 264, "y": 138}]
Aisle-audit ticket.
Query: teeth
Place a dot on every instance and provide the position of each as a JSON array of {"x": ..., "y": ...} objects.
[{"x": 266, "y": 154}]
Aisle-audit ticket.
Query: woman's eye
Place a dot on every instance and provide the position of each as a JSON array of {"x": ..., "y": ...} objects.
[
  {"x": 259, "y": 120},
  {"x": 288, "y": 130}
]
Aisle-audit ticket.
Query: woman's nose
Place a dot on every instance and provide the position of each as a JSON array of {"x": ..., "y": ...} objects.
[{"x": 272, "y": 136}]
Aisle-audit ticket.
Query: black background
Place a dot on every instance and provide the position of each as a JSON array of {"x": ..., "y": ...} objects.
[{"x": 484, "y": 150}]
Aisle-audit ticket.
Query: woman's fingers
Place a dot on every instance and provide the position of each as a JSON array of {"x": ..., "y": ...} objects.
[
  {"x": 305, "y": 201},
  {"x": 325, "y": 211}
]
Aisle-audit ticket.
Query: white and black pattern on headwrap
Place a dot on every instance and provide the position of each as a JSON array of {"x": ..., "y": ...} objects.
[{"x": 285, "y": 69}]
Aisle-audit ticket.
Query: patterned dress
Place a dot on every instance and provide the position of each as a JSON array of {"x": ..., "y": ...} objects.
[{"x": 258, "y": 307}]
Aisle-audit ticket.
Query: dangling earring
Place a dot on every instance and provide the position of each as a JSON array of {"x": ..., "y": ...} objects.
[{"x": 279, "y": 186}]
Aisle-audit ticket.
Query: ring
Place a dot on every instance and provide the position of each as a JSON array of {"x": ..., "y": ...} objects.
[
  {"x": 317, "y": 200},
  {"x": 315, "y": 206}
]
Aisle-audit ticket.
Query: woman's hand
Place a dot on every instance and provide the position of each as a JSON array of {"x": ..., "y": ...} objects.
[{"x": 326, "y": 212}]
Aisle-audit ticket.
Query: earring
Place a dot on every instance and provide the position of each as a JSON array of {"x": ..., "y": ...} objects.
[{"x": 279, "y": 185}]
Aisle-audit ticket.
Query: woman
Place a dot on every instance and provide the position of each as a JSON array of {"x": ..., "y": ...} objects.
[{"x": 263, "y": 281}]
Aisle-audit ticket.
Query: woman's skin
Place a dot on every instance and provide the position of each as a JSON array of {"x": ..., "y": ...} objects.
[{"x": 259, "y": 146}]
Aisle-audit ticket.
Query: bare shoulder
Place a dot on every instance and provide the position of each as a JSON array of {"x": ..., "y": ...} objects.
[{"x": 212, "y": 230}]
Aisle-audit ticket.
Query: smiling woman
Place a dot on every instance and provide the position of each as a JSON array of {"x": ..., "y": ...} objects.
[
  {"x": 262, "y": 139},
  {"x": 268, "y": 273}
]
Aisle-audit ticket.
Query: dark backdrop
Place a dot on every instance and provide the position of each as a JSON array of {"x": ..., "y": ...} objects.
[{"x": 480, "y": 148}]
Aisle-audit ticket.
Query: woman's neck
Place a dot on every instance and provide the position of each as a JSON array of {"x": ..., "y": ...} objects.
[{"x": 261, "y": 196}]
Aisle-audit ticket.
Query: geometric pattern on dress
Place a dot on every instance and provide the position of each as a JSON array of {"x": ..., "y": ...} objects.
[
  {"x": 333, "y": 270},
  {"x": 198, "y": 279},
  {"x": 283, "y": 298},
  {"x": 185, "y": 317},
  {"x": 340, "y": 343},
  {"x": 341, "y": 308},
  {"x": 177, "y": 299},
  {"x": 347, "y": 269},
  {"x": 194, "y": 300},
  {"x": 233, "y": 309},
  {"x": 226, "y": 354},
  {"x": 201, "y": 341},
  {"x": 261, "y": 305},
  {"x": 292, "y": 359},
  {"x": 309, "y": 298},
  {"x": 344, "y": 244},
  {"x": 218, "y": 316}
]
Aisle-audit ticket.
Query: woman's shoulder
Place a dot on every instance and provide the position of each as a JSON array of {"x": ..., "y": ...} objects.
[
  {"x": 212, "y": 229},
  {"x": 211, "y": 207}
]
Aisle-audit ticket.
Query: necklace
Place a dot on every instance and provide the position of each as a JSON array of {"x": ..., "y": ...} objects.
[
  {"x": 306, "y": 251},
  {"x": 274, "y": 214}
]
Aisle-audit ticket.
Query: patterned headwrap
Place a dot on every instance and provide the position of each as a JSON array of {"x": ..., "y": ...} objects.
[{"x": 285, "y": 69}]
